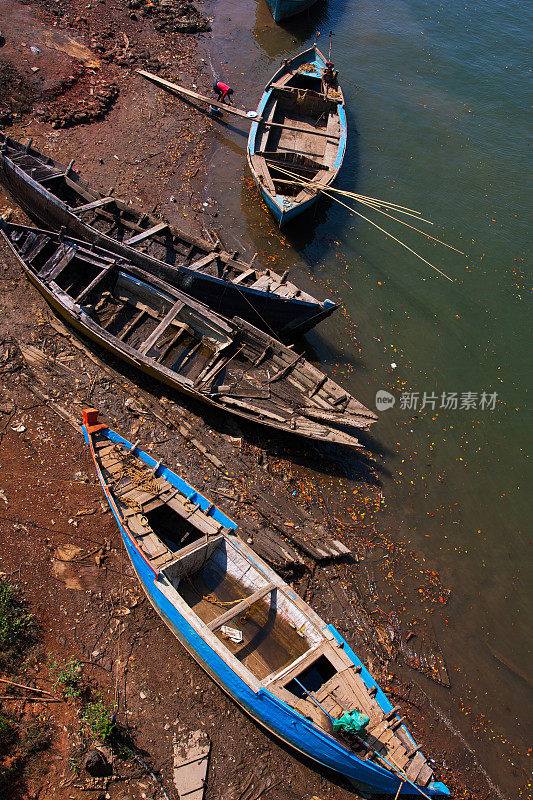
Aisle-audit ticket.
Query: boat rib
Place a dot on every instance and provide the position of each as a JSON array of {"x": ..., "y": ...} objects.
[
  {"x": 56, "y": 197},
  {"x": 174, "y": 339}
]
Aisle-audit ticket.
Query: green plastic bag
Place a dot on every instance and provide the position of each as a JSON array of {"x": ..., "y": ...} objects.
[{"x": 351, "y": 722}]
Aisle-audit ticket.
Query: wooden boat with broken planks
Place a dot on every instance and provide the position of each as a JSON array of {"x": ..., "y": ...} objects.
[
  {"x": 176, "y": 340},
  {"x": 278, "y": 660},
  {"x": 297, "y": 147},
  {"x": 55, "y": 196}
]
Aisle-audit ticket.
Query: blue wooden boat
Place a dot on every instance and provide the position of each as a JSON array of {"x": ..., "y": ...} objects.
[
  {"x": 297, "y": 144},
  {"x": 282, "y": 9},
  {"x": 247, "y": 628},
  {"x": 57, "y": 197}
]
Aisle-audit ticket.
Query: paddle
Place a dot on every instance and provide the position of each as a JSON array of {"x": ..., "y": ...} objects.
[{"x": 250, "y": 116}]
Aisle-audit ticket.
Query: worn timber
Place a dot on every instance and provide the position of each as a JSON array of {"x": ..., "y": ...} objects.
[
  {"x": 179, "y": 342},
  {"x": 57, "y": 197}
]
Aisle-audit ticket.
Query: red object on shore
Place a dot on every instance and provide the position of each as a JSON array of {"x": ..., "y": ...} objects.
[
  {"x": 90, "y": 420},
  {"x": 223, "y": 90}
]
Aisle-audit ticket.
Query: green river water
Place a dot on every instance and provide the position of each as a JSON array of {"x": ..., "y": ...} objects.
[{"x": 437, "y": 103}]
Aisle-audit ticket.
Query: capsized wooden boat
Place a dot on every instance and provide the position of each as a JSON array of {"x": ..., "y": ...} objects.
[
  {"x": 282, "y": 159},
  {"x": 282, "y": 9},
  {"x": 247, "y": 628},
  {"x": 176, "y": 340},
  {"x": 55, "y": 196}
]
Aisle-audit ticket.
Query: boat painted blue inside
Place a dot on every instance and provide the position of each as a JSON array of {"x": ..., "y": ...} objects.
[
  {"x": 269, "y": 711},
  {"x": 283, "y": 208}
]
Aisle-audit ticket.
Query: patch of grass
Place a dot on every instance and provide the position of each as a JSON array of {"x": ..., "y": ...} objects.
[
  {"x": 98, "y": 719},
  {"x": 10, "y": 759},
  {"x": 70, "y": 678},
  {"x": 8, "y": 734},
  {"x": 17, "y": 625},
  {"x": 17, "y": 746}
]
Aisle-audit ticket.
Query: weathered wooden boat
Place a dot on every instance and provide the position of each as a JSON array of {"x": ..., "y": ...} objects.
[
  {"x": 176, "y": 340},
  {"x": 55, "y": 196},
  {"x": 291, "y": 164},
  {"x": 247, "y": 628},
  {"x": 283, "y": 9}
]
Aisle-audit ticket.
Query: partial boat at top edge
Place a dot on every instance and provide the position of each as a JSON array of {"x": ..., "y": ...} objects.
[
  {"x": 291, "y": 164},
  {"x": 283, "y": 9},
  {"x": 275, "y": 657},
  {"x": 55, "y": 196}
]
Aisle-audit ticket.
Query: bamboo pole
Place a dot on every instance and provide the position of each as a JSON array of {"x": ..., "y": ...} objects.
[
  {"x": 361, "y": 197},
  {"x": 181, "y": 90},
  {"x": 389, "y": 234},
  {"x": 25, "y": 686},
  {"x": 328, "y": 191}
]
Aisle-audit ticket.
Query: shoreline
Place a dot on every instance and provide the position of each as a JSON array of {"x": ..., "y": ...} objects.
[{"x": 188, "y": 142}]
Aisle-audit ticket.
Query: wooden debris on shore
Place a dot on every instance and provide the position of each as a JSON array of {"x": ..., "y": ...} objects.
[
  {"x": 191, "y": 759},
  {"x": 270, "y": 534}
]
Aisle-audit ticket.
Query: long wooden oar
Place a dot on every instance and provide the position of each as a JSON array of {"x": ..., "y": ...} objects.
[{"x": 181, "y": 90}]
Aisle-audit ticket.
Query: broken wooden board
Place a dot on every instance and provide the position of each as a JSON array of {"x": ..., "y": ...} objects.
[
  {"x": 191, "y": 759},
  {"x": 272, "y": 533}
]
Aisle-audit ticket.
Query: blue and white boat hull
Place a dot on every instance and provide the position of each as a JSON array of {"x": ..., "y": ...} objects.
[
  {"x": 282, "y": 9},
  {"x": 273, "y": 713},
  {"x": 291, "y": 172}
]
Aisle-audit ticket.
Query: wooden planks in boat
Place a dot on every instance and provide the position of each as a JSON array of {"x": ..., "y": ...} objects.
[{"x": 238, "y": 609}]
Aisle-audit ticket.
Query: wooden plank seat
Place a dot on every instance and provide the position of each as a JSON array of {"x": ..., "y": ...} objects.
[
  {"x": 113, "y": 462},
  {"x": 52, "y": 177},
  {"x": 414, "y": 768},
  {"x": 153, "y": 546},
  {"x": 102, "y": 201},
  {"x": 135, "y": 495},
  {"x": 136, "y": 527},
  {"x": 163, "y": 325},
  {"x": 147, "y": 234},
  {"x": 425, "y": 775},
  {"x": 39, "y": 244},
  {"x": 243, "y": 276},
  {"x": 201, "y": 263},
  {"x": 233, "y": 612},
  {"x": 57, "y": 263},
  {"x": 101, "y": 275}
]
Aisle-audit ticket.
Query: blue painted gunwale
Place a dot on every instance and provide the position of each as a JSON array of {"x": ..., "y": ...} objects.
[
  {"x": 282, "y": 211},
  {"x": 282, "y": 9},
  {"x": 266, "y": 709}
]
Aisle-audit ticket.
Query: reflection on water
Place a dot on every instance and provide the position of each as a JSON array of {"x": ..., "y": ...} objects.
[{"x": 437, "y": 121}]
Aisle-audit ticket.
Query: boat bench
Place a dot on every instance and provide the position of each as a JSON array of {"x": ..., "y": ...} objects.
[{"x": 227, "y": 616}]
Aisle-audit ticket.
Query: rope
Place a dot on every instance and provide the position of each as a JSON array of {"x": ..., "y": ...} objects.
[{"x": 140, "y": 480}]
